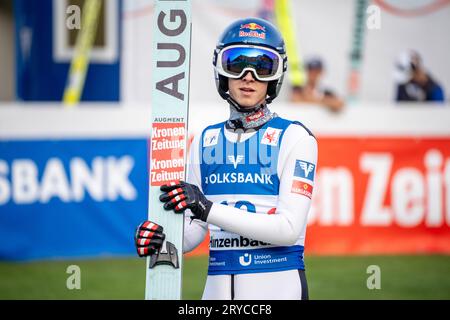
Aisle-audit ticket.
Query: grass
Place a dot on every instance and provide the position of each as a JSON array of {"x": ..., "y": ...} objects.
[{"x": 402, "y": 277}]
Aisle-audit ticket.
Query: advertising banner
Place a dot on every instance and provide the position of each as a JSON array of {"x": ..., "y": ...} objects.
[{"x": 71, "y": 198}]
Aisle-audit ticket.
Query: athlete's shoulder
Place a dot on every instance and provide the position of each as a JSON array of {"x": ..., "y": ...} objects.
[
  {"x": 301, "y": 127},
  {"x": 294, "y": 128}
]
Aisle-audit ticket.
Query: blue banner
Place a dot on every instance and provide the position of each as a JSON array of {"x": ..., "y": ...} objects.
[
  {"x": 44, "y": 52},
  {"x": 71, "y": 198}
]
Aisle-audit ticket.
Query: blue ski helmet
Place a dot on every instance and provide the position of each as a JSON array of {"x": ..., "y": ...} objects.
[{"x": 251, "y": 32}]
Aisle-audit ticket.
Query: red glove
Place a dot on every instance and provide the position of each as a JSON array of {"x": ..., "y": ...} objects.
[
  {"x": 148, "y": 238},
  {"x": 179, "y": 196}
]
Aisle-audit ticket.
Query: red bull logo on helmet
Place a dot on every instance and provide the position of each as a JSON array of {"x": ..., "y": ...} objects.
[{"x": 254, "y": 28}]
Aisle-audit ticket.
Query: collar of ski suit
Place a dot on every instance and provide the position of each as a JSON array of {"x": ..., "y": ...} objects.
[{"x": 252, "y": 120}]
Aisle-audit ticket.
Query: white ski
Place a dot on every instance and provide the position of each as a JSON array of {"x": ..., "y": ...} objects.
[{"x": 170, "y": 103}]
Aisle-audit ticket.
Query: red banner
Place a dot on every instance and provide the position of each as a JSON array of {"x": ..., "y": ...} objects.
[{"x": 380, "y": 196}]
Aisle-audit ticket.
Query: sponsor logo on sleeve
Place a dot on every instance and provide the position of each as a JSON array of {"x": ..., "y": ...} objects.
[
  {"x": 303, "y": 188},
  {"x": 304, "y": 170},
  {"x": 303, "y": 178}
]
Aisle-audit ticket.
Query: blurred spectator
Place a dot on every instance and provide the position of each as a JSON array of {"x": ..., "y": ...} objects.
[
  {"x": 312, "y": 91},
  {"x": 415, "y": 83}
]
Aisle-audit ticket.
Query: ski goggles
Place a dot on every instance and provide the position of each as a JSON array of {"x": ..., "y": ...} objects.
[{"x": 235, "y": 61}]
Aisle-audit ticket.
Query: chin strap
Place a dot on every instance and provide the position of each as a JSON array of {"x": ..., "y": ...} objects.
[{"x": 239, "y": 108}]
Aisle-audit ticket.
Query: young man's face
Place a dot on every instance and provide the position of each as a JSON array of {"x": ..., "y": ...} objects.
[{"x": 247, "y": 91}]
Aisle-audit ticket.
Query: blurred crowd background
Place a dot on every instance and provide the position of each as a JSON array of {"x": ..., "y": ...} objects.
[{"x": 345, "y": 49}]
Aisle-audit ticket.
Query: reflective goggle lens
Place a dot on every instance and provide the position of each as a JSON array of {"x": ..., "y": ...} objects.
[{"x": 264, "y": 62}]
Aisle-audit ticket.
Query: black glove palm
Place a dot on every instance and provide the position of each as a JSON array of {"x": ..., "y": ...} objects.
[{"x": 179, "y": 196}]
